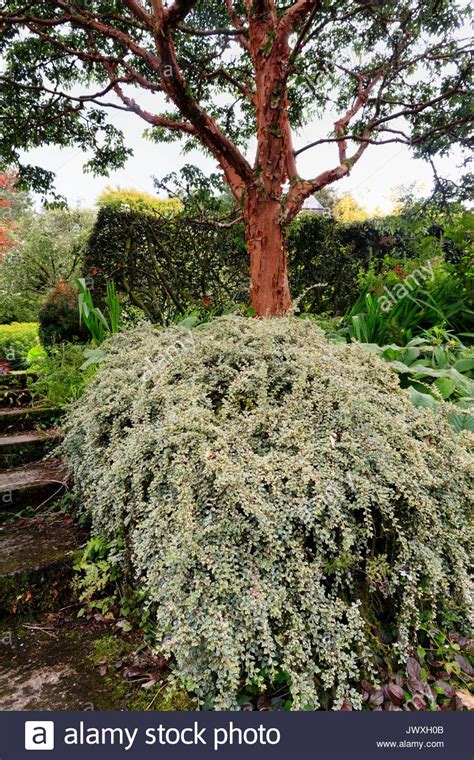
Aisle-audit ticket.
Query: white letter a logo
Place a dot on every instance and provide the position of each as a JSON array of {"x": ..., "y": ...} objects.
[{"x": 39, "y": 735}]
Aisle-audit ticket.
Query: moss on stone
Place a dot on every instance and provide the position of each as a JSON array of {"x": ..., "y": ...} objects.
[{"x": 129, "y": 694}]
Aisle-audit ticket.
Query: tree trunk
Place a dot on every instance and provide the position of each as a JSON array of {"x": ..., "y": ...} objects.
[{"x": 265, "y": 238}]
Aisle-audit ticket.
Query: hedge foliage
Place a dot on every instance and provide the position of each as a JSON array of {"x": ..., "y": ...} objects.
[
  {"x": 169, "y": 263},
  {"x": 283, "y": 504},
  {"x": 166, "y": 264},
  {"x": 16, "y": 340}
]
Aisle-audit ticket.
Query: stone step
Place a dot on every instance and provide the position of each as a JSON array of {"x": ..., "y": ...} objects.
[
  {"x": 36, "y": 564},
  {"x": 30, "y": 446},
  {"x": 14, "y": 397},
  {"x": 32, "y": 485},
  {"x": 27, "y": 418}
]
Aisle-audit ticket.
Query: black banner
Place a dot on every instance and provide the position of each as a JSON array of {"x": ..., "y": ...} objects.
[{"x": 228, "y": 736}]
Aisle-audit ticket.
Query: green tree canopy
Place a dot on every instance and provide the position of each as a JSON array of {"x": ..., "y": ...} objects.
[
  {"x": 395, "y": 71},
  {"x": 49, "y": 248}
]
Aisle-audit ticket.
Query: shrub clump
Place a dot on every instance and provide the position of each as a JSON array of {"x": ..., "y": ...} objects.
[
  {"x": 59, "y": 317},
  {"x": 166, "y": 264},
  {"x": 16, "y": 340},
  {"x": 59, "y": 378},
  {"x": 283, "y": 503}
]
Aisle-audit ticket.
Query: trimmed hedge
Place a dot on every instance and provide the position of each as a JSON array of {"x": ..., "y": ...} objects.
[
  {"x": 166, "y": 264},
  {"x": 127, "y": 199},
  {"x": 169, "y": 264},
  {"x": 326, "y": 253}
]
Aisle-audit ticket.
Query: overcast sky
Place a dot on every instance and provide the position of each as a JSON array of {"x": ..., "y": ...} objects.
[{"x": 372, "y": 182}]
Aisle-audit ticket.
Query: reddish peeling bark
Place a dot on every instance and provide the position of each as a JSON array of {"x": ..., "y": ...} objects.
[
  {"x": 269, "y": 290},
  {"x": 275, "y": 163}
]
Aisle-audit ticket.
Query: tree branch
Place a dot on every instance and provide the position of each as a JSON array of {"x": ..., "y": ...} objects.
[
  {"x": 139, "y": 11},
  {"x": 296, "y": 13},
  {"x": 210, "y": 32},
  {"x": 238, "y": 24},
  {"x": 301, "y": 37},
  {"x": 93, "y": 98},
  {"x": 155, "y": 119},
  {"x": 178, "y": 11},
  {"x": 360, "y": 101},
  {"x": 237, "y": 169}
]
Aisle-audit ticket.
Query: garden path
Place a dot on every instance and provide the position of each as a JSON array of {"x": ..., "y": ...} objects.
[{"x": 44, "y": 663}]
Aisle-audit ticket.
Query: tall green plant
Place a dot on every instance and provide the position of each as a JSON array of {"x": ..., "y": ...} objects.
[
  {"x": 99, "y": 325},
  {"x": 114, "y": 309},
  {"x": 59, "y": 378},
  {"x": 444, "y": 302}
]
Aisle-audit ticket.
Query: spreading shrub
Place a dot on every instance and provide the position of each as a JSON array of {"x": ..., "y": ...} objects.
[
  {"x": 59, "y": 317},
  {"x": 16, "y": 340},
  {"x": 279, "y": 498}
]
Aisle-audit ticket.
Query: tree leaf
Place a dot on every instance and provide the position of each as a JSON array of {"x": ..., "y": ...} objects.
[
  {"x": 422, "y": 400},
  {"x": 446, "y": 386}
]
